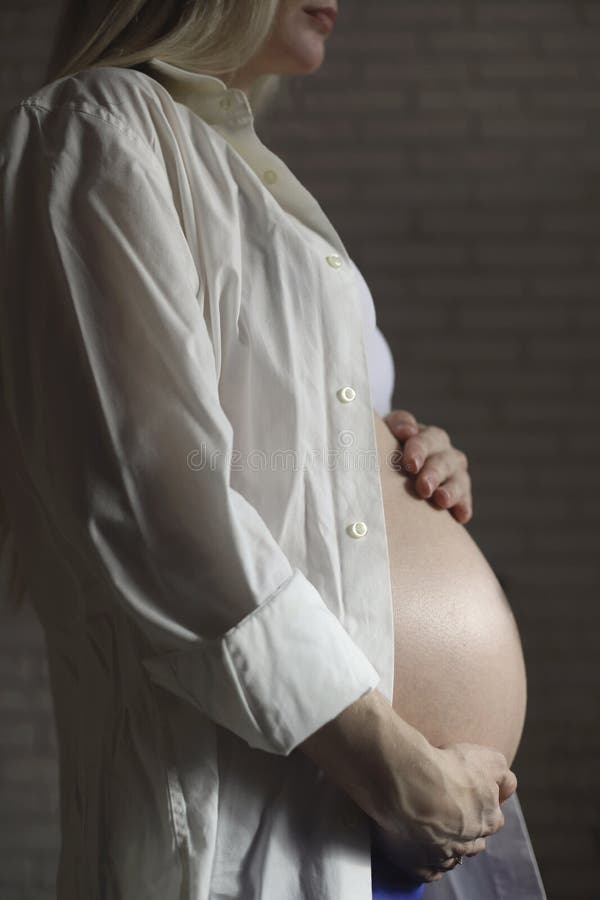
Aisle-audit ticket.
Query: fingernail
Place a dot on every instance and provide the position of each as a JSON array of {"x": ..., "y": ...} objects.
[{"x": 428, "y": 485}]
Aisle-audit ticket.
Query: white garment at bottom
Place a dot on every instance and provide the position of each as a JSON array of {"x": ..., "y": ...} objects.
[{"x": 506, "y": 869}]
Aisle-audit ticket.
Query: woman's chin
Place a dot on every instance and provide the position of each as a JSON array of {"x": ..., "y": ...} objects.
[
  {"x": 304, "y": 65},
  {"x": 304, "y": 56}
]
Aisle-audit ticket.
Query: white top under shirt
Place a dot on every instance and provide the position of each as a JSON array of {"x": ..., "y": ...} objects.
[{"x": 380, "y": 361}]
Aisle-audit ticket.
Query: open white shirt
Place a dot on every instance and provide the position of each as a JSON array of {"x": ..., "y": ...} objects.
[{"x": 187, "y": 429}]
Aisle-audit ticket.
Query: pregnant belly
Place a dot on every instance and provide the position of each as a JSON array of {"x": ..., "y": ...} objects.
[{"x": 459, "y": 671}]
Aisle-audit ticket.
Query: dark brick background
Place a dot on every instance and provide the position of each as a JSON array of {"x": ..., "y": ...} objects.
[{"x": 455, "y": 145}]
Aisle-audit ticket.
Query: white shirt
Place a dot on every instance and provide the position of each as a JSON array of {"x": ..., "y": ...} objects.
[{"x": 188, "y": 427}]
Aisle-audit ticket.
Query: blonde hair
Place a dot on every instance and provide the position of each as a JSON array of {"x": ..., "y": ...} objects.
[{"x": 212, "y": 37}]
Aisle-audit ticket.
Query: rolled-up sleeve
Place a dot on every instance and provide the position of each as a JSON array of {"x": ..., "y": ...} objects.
[{"x": 124, "y": 391}]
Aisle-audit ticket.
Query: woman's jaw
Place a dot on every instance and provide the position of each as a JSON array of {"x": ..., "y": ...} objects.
[{"x": 296, "y": 43}]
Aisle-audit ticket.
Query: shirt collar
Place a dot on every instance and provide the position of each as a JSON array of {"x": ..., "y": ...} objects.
[
  {"x": 208, "y": 96},
  {"x": 229, "y": 112}
]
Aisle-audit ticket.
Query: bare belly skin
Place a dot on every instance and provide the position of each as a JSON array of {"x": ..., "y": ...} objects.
[{"x": 459, "y": 668}]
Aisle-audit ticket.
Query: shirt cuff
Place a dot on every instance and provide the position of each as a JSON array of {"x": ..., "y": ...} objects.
[{"x": 276, "y": 676}]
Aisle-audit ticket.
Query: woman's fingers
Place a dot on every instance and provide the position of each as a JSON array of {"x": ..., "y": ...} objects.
[
  {"x": 425, "y": 862},
  {"x": 441, "y": 470},
  {"x": 401, "y": 419},
  {"x": 418, "y": 449},
  {"x": 476, "y": 847},
  {"x": 454, "y": 494},
  {"x": 472, "y": 848},
  {"x": 438, "y": 468},
  {"x": 445, "y": 479},
  {"x": 462, "y": 512}
]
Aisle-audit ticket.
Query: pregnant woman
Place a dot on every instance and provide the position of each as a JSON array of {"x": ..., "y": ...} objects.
[{"x": 276, "y": 673}]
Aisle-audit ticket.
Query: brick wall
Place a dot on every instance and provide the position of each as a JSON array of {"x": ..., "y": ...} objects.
[{"x": 455, "y": 145}]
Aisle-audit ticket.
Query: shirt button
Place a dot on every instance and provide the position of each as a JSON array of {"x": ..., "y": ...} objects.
[
  {"x": 334, "y": 261},
  {"x": 225, "y": 102},
  {"x": 357, "y": 529},
  {"x": 346, "y": 394},
  {"x": 270, "y": 176}
]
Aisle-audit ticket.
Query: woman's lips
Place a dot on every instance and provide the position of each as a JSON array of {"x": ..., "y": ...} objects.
[{"x": 325, "y": 16}]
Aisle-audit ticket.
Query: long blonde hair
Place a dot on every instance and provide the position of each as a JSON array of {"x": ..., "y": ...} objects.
[{"x": 212, "y": 37}]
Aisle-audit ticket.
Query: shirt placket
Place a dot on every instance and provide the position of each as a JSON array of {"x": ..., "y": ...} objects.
[{"x": 366, "y": 611}]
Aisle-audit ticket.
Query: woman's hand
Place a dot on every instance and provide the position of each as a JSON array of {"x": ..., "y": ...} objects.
[
  {"x": 431, "y": 803},
  {"x": 440, "y": 469},
  {"x": 409, "y": 857},
  {"x": 458, "y": 809}
]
